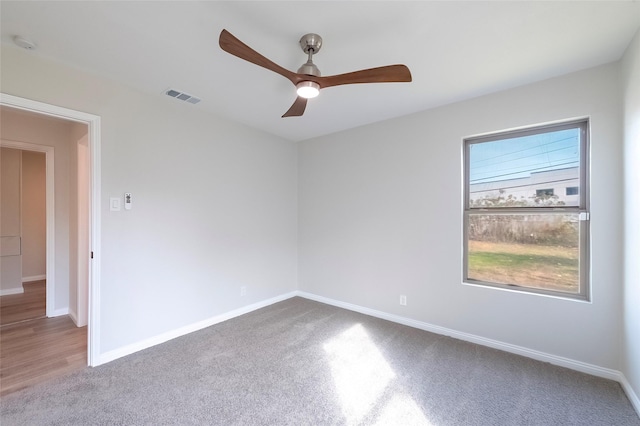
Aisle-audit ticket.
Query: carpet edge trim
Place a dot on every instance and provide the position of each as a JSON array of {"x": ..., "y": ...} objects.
[{"x": 172, "y": 334}]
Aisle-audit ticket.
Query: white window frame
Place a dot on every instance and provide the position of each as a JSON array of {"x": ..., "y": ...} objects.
[{"x": 582, "y": 209}]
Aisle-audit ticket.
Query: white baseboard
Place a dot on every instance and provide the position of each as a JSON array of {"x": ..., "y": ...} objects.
[
  {"x": 584, "y": 367},
  {"x": 631, "y": 394},
  {"x": 164, "y": 337},
  {"x": 73, "y": 317},
  {"x": 9, "y": 291},
  {"x": 59, "y": 312},
  {"x": 34, "y": 278}
]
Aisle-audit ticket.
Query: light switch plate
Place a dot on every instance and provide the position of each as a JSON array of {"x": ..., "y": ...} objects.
[{"x": 114, "y": 204}]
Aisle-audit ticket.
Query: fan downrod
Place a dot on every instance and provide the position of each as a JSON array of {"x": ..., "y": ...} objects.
[{"x": 310, "y": 44}]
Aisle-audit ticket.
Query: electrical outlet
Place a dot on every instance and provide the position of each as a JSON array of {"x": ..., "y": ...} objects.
[
  {"x": 403, "y": 300},
  {"x": 243, "y": 290}
]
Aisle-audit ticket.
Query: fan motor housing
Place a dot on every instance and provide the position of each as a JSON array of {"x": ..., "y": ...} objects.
[{"x": 309, "y": 68}]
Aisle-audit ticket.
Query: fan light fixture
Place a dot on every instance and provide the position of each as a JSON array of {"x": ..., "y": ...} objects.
[{"x": 308, "y": 89}]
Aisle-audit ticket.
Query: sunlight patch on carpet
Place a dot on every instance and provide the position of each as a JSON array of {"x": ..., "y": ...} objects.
[
  {"x": 361, "y": 376},
  {"x": 401, "y": 410}
]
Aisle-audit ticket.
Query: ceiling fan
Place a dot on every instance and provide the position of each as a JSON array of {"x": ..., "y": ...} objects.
[{"x": 308, "y": 80}]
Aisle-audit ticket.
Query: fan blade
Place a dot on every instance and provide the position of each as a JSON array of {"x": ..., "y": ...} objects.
[
  {"x": 297, "y": 109},
  {"x": 229, "y": 43},
  {"x": 387, "y": 74}
]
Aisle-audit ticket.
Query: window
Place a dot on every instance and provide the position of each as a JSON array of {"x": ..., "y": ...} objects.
[{"x": 522, "y": 230}]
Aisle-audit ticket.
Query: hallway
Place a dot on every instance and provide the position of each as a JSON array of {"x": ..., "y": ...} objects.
[{"x": 34, "y": 348}]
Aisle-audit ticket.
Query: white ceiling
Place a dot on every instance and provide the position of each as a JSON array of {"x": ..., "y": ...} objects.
[{"x": 455, "y": 50}]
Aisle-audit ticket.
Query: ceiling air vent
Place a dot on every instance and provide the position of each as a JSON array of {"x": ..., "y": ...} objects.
[{"x": 182, "y": 96}]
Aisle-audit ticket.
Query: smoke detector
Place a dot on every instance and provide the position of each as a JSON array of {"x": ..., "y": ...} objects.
[{"x": 25, "y": 43}]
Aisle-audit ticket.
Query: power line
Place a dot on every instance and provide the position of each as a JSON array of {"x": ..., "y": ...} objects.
[
  {"x": 522, "y": 171},
  {"x": 523, "y": 186},
  {"x": 526, "y": 156},
  {"x": 524, "y": 149}
]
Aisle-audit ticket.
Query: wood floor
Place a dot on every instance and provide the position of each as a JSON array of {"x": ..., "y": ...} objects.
[
  {"x": 34, "y": 348},
  {"x": 29, "y": 305}
]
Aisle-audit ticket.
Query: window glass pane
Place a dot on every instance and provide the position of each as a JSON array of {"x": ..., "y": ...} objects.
[
  {"x": 531, "y": 250},
  {"x": 525, "y": 171}
]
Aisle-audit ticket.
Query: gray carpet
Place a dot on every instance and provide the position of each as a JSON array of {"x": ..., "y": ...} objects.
[{"x": 300, "y": 362}]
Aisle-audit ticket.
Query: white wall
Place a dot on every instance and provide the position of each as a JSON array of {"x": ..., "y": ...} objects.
[
  {"x": 380, "y": 214},
  {"x": 214, "y": 203},
  {"x": 631, "y": 320},
  {"x": 34, "y": 218}
]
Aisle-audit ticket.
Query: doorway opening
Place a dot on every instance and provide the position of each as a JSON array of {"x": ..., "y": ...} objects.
[{"x": 90, "y": 264}]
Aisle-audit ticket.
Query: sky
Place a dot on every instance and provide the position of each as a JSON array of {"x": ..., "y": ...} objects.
[{"x": 518, "y": 157}]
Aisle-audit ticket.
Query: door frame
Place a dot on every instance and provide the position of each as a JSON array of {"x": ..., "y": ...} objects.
[{"x": 93, "y": 124}]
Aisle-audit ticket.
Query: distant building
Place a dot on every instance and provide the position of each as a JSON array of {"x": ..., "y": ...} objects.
[{"x": 558, "y": 187}]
